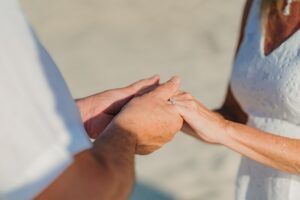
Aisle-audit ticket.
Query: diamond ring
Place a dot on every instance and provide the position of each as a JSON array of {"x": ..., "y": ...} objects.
[{"x": 172, "y": 100}]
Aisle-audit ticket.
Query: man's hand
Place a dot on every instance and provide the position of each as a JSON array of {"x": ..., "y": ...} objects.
[
  {"x": 98, "y": 110},
  {"x": 150, "y": 118},
  {"x": 107, "y": 170}
]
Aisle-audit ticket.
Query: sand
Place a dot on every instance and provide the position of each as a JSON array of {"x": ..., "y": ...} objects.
[{"x": 102, "y": 44}]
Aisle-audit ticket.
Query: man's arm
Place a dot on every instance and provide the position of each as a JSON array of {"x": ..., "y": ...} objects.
[
  {"x": 107, "y": 170},
  {"x": 104, "y": 172}
]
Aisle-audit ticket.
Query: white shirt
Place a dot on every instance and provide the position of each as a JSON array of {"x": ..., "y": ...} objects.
[{"x": 40, "y": 126}]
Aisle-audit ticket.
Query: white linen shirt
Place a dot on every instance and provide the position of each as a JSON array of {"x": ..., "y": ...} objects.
[{"x": 40, "y": 125}]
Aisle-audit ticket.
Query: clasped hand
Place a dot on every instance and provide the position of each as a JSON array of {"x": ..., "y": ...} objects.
[
  {"x": 144, "y": 111},
  {"x": 140, "y": 109}
]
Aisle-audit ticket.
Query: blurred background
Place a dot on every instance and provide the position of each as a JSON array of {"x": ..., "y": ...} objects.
[{"x": 102, "y": 44}]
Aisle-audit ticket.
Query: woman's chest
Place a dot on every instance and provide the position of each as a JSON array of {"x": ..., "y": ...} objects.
[{"x": 268, "y": 86}]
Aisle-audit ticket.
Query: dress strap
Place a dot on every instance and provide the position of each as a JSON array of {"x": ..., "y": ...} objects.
[{"x": 254, "y": 17}]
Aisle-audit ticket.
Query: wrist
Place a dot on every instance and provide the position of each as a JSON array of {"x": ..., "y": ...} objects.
[
  {"x": 128, "y": 126},
  {"x": 114, "y": 150},
  {"x": 222, "y": 130},
  {"x": 116, "y": 137},
  {"x": 229, "y": 130}
]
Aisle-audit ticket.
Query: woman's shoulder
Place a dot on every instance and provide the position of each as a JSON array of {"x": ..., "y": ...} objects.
[{"x": 245, "y": 16}]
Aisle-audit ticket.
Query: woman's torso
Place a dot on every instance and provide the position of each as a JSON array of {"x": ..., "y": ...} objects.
[{"x": 268, "y": 90}]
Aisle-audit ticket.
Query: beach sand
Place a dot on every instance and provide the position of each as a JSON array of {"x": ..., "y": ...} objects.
[{"x": 102, "y": 44}]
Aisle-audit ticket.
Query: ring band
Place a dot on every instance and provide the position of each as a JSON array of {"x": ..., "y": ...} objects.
[{"x": 172, "y": 100}]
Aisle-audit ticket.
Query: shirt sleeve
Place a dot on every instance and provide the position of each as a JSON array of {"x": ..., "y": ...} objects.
[{"x": 40, "y": 125}]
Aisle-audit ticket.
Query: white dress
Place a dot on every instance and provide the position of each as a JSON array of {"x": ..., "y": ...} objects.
[{"x": 268, "y": 90}]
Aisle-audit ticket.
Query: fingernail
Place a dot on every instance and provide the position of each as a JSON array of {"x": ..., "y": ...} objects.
[{"x": 175, "y": 79}]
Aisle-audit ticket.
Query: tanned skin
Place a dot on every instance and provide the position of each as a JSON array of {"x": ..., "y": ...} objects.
[{"x": 106, "y": 171}]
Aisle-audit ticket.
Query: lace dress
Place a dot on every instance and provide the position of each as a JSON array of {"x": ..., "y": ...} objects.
[{"x": 268, "y": 90}]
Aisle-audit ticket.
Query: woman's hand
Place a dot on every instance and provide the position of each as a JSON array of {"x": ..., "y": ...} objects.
[
  {"x": 98, "y": 110},
  {"x": 250, "y": 142},
  {"x": 199, "y": 121}
]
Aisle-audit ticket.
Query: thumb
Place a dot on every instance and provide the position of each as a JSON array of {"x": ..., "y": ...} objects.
[
  {"x": 142, "y": 84},
  {"x": 168, "y": 89}
]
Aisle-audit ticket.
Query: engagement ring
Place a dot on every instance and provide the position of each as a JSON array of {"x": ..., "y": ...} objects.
[{"x": 172, "y": 100}]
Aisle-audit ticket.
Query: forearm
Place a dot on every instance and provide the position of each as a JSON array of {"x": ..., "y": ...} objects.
[
  {"x": 116, "y": 149},
  {"x": 104, "y": 172},
  {"x": 278, "y": 152}
]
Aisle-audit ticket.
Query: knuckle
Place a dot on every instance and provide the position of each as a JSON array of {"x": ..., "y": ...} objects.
[{"x": 171, "y": 85}]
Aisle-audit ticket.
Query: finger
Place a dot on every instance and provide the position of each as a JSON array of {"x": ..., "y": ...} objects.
[
  {"x": 186, "y": 108},
  {"x": 147, "y": 89},
  {"x": 191, "y": 109},
  {"x": 177, "y": 96},
  {"x": 191, "y": 100},
  {"x": 179, "y": 92},
  {"x": 168, "y": 89},
  {"x": 189, "y": 117},
  {"x": 144, "y": 83},
  {"x": 181, "y": 96},
  {"x": 184, "y": 105},
  {"x": 95, "y": 126}
]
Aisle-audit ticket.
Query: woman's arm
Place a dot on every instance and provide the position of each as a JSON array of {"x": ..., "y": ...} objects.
[
  {"x": 104, "y": 172},
  {"x": 231, "y": 109},
  {"x": 278, "y": 152},
  {"x": 275, "y": 151}
]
